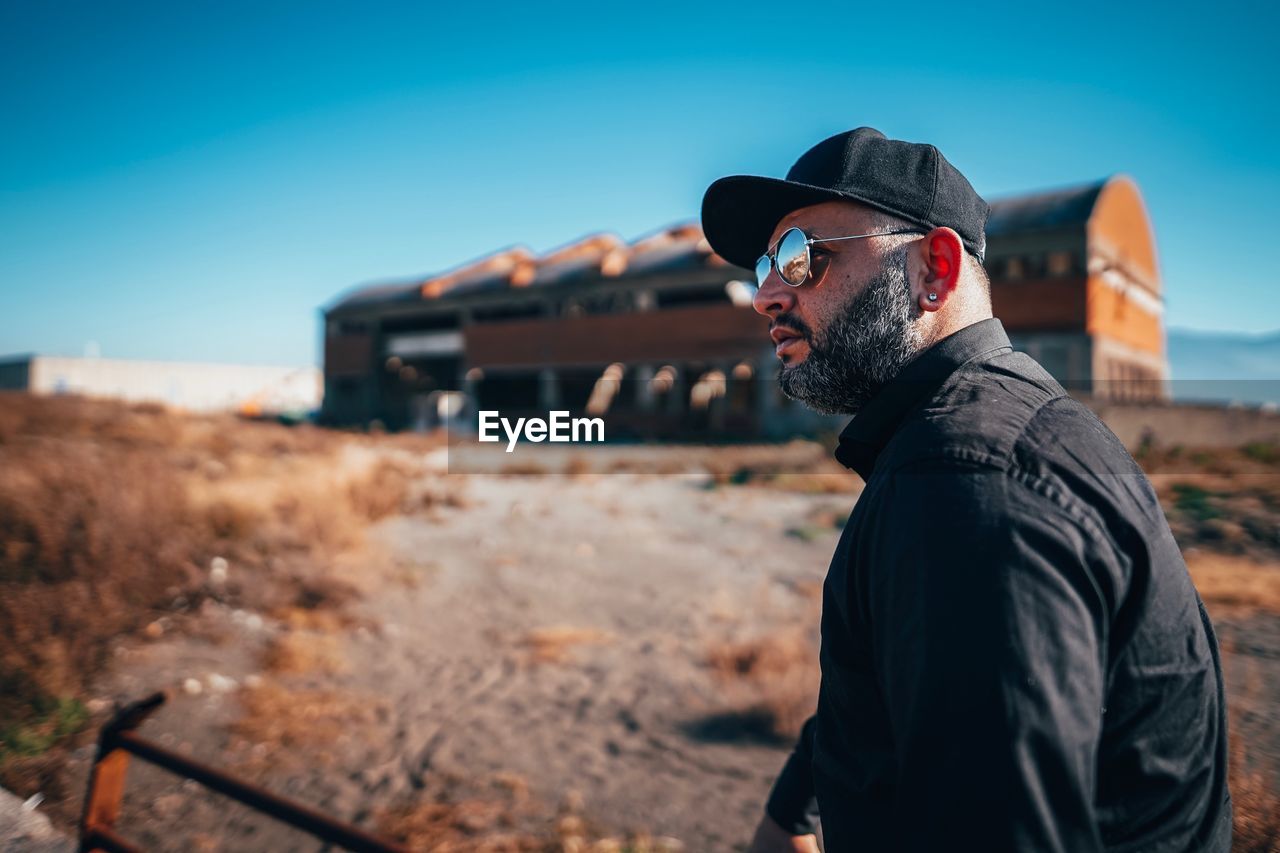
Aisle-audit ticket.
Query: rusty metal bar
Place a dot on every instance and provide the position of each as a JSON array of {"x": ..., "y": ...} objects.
[
  {"x": 295, "y": 814},
  {"x": 106, "y": 789},
  {"x": 107, "y": 777},
  {"x": 101, "y": 838}
]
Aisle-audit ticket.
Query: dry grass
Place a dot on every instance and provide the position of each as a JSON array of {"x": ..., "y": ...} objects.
[
  {"x": 91, "y": 543},
  {"x": 662, "y": 466},
  {"x": 820, "y": 521},
  {"x": 840, "y": 482},
  {"x": 1255, "y": 802},
  {"x": 305, "y": 503},
  {"x": 524, "y": 468},
  {"x": 1255, "y": 459},
  {"x": 800, "y": 466},
  {"x": 301, "y": 652},
  {"x": 555, "y": 644},
  {"x": 771, "y": 679},
  {"x": 283, "y": 728},
  {"x": 317, "y": 604},
  {"x": 1241, "y": 518},
  {"x": 1224, "y": 508},
  {"x": 311, "y": 619},
  {"x": 435, "y": 493},
  {"x": 1224, "y": 500},
  {"x": 110, "y": 515},
  {"x": 578, "y": 467},
  {"x": 500, "y": 817},
  {"x": 383, "y": 490},
  {"x": 1241, "y": 584}
]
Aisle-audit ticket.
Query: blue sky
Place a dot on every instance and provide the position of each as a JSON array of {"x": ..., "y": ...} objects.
[{"x": 194, "y": 181}]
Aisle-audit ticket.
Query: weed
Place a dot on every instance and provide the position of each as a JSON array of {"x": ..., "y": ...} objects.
[
  {"x": 1195, "y": 502},
  {"x": 50, "y": 720}
]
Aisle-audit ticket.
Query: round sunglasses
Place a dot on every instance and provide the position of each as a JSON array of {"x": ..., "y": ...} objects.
[{"x": 791, "y": 258}]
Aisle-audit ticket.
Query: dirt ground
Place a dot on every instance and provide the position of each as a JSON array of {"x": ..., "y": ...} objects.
[
  {"x": 543, "y": 658},
  {"x": 551, "y": 637}
]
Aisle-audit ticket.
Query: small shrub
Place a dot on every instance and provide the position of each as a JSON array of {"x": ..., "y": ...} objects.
[
  {"x": 1195, "y": 501},
  {"x": 299, "y": 652},
  {"x": 382, "y": 491},
  {"x": 774, "y": 677},
  {"x": 288, "y": 727},
  {"x": 1268, "y": 453},
  {"x": 48, "y": 721}
]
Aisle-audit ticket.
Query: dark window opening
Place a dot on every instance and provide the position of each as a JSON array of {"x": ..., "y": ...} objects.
[
  {"x": 597, "y": 303},
  {"x": 575, "y": 388},
  {"x": 420, "y": 323},
  {"x": 692, "y": 296},
  {"x": 509, "y": 392},
  {"x": 510, "y": 311}
]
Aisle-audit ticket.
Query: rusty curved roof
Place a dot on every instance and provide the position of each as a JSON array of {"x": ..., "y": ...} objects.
[
  {"x": 595, "y": 256},
  {"x": 381, "y": 294},
  {"x": 1044, "y": 210}
]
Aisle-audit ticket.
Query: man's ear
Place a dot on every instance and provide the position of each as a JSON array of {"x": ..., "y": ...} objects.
[{"x": 940, "y": 255}]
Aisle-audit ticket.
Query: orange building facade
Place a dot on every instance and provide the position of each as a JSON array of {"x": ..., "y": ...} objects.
[{"x": 1075, "y": 280}]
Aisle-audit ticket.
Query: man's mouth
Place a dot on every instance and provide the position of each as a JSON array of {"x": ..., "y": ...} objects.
[{"x": 787, "y": 342}]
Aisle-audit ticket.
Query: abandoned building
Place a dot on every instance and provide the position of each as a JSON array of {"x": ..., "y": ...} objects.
[{"x": 660, "y": 333}]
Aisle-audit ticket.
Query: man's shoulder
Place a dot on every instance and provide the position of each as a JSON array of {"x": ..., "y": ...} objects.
[
  {"x": 1007, "y": 413},
  {"x": 979, "y": 415},
  {"x": 1007, "y": 416}
]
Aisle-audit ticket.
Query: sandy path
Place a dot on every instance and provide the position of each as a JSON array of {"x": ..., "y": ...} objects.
[
  {"x": 648, "y": 571},
  {"x": 660, "y": 570}
]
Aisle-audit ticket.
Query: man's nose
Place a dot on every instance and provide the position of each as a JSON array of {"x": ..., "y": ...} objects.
[{"x": 774, "y": 296}]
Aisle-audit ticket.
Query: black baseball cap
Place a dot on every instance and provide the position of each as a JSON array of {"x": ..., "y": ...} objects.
[{"x": 910, "y": 180}]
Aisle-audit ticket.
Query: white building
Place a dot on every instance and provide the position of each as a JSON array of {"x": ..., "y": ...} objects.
[{"x": 191, "y": 386}]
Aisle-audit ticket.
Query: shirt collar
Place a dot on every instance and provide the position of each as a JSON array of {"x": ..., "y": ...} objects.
[{"x": 877, "y": 421}]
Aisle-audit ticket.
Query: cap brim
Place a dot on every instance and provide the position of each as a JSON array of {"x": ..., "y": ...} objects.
[{"x": 740, "y": 212}]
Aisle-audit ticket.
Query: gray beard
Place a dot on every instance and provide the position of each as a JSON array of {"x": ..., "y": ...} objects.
[{"x": 866, "y": 345}]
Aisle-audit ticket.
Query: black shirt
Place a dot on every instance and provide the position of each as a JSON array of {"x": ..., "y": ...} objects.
[{"x": 1013, "y": 654}]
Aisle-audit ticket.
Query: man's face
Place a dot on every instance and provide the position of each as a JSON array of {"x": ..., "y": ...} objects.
[{"x": 849, "y": 329}]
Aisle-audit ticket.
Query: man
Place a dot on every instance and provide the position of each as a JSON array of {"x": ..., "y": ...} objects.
[{"x": 1013, "y": 656}]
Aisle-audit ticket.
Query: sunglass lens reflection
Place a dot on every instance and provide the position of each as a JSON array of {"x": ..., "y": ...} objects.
[
  {"x": 793, "y": 257},
  {"x": 762, "y": 269}
]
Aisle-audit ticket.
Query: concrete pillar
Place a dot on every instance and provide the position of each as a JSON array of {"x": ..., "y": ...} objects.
[
  {"x": 548, "y": 389},
  {"x": 719, "y": 405},
  {"x": 644, "y": 387},
  {"x": 677, "y": 397}
]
